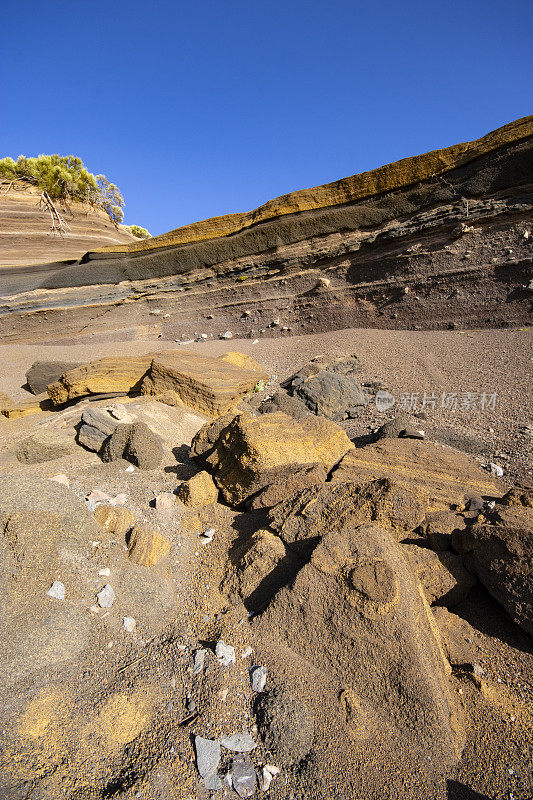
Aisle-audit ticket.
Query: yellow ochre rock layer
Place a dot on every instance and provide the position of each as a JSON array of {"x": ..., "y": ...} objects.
[{"x": 346, "y": 190}]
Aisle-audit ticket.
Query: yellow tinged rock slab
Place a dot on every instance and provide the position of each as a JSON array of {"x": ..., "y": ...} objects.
[
  {"x": 443, "y": 474},
  {"x": 200, "y": 490},
  {"x": 346, "y": 190},
  {"x": 209, "y": 385},
  {"x": 147, "y": 546},
  {"x": 106, "y": 375},
  {"x": 41, "y": 402}
]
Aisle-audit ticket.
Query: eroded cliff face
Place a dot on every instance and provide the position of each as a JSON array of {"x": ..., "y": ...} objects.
[
  {"x": 440, "y": 240},
  {"x": 25, "y": 234}
]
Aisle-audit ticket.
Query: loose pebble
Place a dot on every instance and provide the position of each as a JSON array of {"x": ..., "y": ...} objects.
[
  {"x": 207, "y": 761},
  {"x": 131, "y": 468},
  {"x": 129, "y": 624},
  {"x": 106, "y": 596},
  {"x": 198, "y": 662},
  {"x": 57, "y": 590},
  {"x": 207, "y": 536},
  {"x": 105, "y": 572},
  {"x": 61, "y": 479},
  {"x": 496, "y": 469},
  {"x": 238, "y": 742},
  {"x": 225, "y": 654},
  {"x": 243, "y": 777},
  {"x": 247, "y": 652},
  {"x": 258, "y": 678}
]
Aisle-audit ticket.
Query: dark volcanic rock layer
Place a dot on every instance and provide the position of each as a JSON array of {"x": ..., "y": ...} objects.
[{"x": 454, "y": 249}]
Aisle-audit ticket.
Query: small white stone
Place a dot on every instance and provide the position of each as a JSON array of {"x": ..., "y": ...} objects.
[
  {"x": 255, "y": 341},
  {"x": 105, "y": 572},
  {"x": 226, "y": 335},
  {"x": 57, "y": 590},
  {"x": 129, "y": 624},
  {"x": 207, "y": 536},
  {"x": 61, "y": 479},
  {"x": 106, "y": 596},
  {"x": 258, "y": 678},
  {"x": 131, "y": 468},
  {"x": 203, "y": 336},
  {"x": 225, "y": 653},
  {"x": 496, "y": 469},
  {"x": 247, "y": 652},
  {"x": 166, "y": 316}
]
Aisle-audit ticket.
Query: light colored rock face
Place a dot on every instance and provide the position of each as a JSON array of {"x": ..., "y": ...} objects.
[
  {"x": 209, "y": 385},
  {"x": 107, "y": 375},
  {"x": 446, "y": 476},
  {"x": 26, "y": 408},
  {"x": 330, "y": 441},
  {"x": 200, "y": 490},
  {"x": 147, "y": 546}
]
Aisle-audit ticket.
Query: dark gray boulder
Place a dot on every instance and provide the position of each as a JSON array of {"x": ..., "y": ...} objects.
[
  {"x": 42, "y": 373},
  {"x": 135, "y": 443}
]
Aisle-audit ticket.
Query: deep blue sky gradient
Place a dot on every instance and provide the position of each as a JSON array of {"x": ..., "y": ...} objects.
[{"x": 202, "y": 108}]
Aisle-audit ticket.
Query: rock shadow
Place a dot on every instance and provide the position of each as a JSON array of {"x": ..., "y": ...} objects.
[
  {"x": 185, "y": 467},
  {"x": 458, "y": 791},
  {"x": 486, "y": 615}
]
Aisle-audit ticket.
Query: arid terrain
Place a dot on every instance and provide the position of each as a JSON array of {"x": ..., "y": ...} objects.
[{"x": 266, "y": 498}]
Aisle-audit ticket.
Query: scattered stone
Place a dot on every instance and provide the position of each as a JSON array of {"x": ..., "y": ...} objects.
[
  {"x": 281, "y": 401},
  {"x": 147, "y": 546},
  {"x": 207, "y": 536},
  {"x": 400, "y": 427},
  {"x": 268, "y": 773},
  {"x": 61, "y": 479},
  {"x": 327, "y": 386},
  {"x": 106, "y": 596},
  {"x": 136, "y": 443},
  {"x": 226, "y": 335},
  {"x": 165, "y": 502},
  {"x": 41, "y": 373},
  {"x": 238, "y": 742},
  {"x": 225, "y": 654},
  {"x": 496, "y": 470},
  {"x": 199, "y": 661},
  {"x": 45, "y": 446},
  {"x": 117, "y": 521},
  {"x": 207, "y": 761},
  {"x": 247, "y": 652},
  {"x": 285, "y": 724},
  {"x": 57, "y": 590},
  {"x": 104, "y": 573},
  {"x": 258, "y": 678},
  {"x": 200, "y": 490},
  {"x": 131, "y": 468},
  {"x": 96, "y": 497},
  {"x": 129, "y": 624},
  {"x": 243, "y": 777}
]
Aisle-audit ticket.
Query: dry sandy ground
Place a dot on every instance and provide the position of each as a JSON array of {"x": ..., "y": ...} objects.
[{"x": 474, "y": 365}]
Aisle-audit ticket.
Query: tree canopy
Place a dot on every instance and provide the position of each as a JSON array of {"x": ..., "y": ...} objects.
[{"x": 66, "y": 177}]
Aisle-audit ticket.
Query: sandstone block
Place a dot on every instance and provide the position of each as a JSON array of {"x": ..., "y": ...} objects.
[
  {"x": 114, "y": 519},
  {"x": 209, "y": 385},
  {"x": 443, "y": 474},
  {"x": 104, "y": 376},
  {"x": 443, "y": 577},
  {"x": 147, "y": 546},
  {"x": 136, "y": 443},
  {"x": 45, "y": 446},
  {"x": 200, "y": 490}
]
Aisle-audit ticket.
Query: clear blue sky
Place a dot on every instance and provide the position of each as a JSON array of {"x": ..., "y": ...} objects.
[{"x": 202, "y": 108}]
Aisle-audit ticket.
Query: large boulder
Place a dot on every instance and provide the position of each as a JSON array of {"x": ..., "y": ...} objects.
[
  {"x": 106, "y": 375},
  {"x": 499, "y": 550},
  {"x": 327, "y": 386},
  {"x": 250, "y": 453},
  {"x": 42, "y": 373},
  {"x": 136, "y": 443},
  {"x": 444, "y": 475},
  {"x": 209, "y": 385},
  {"x": 96, "y": 426}
]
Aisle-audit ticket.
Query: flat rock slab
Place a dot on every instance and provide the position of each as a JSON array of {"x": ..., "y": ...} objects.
[
  {"x": 443, "y": 474},
  {"x": 114, "y": 374},
  {"x": 209, "y": 385},
  {"x": 42, "y": 373}
]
